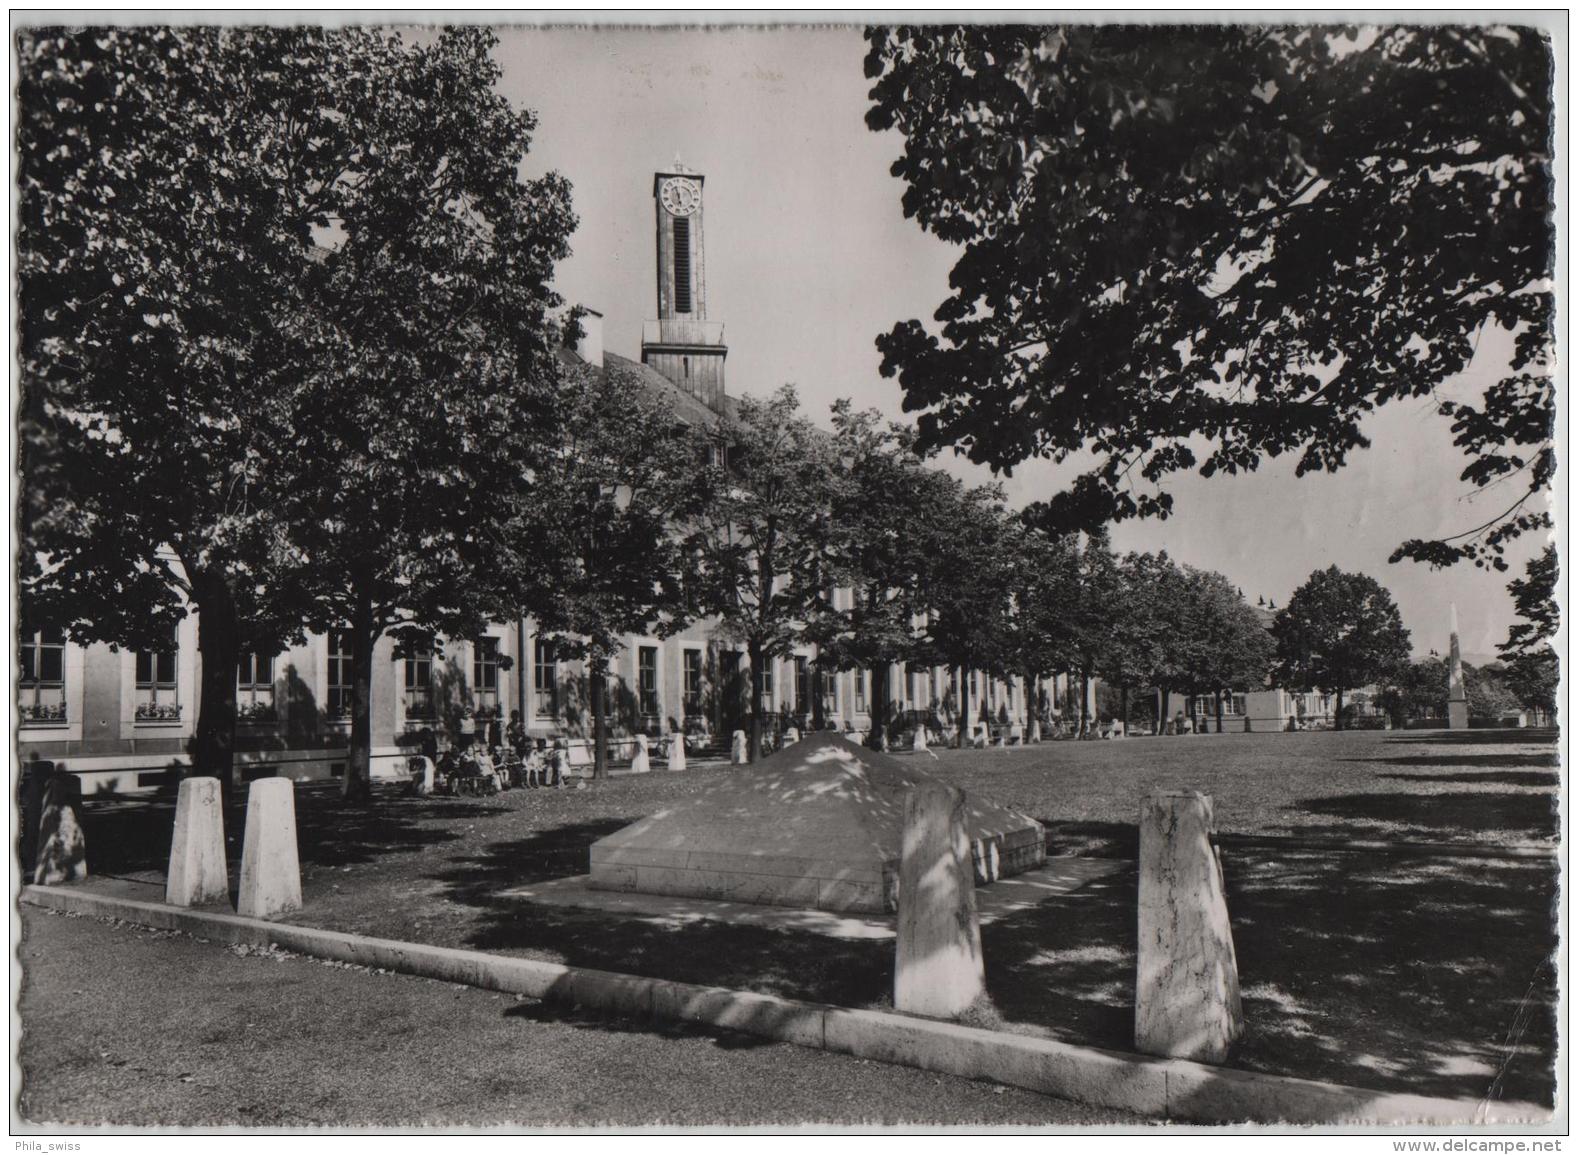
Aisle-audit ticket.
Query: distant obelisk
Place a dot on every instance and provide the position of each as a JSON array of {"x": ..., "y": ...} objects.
[{"x": 1457, "y": 688}]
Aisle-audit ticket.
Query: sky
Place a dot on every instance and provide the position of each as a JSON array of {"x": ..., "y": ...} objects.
[{"x": 809, "y": 258}]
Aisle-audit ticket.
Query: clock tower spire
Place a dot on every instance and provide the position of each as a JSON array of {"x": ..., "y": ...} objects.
[{"x": 681, "y": 343}]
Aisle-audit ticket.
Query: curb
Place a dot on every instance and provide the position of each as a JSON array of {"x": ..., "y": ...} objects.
[{"x": 1172, "y": 1089}]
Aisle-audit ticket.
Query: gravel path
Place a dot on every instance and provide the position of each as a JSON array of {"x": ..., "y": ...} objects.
[{"x": 142, "y": 1028}]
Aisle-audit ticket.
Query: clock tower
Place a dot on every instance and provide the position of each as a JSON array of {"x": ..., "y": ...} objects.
[{"x": 681, "y": 343}]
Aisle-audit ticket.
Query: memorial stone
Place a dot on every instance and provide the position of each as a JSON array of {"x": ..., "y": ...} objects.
[
  {"x": 676, "y": 752},
  {"x": 742, "y": 748},
  {"x": 641, "y": 760}
]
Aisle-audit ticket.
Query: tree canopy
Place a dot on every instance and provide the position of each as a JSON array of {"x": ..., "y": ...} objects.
[
  {"x": 1338, "y": 632},
  {"x": 1533, "y": 671},
  {"x": 1201, "y": 247}
]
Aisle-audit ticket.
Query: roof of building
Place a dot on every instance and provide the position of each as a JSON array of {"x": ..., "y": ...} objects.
[{"x": 686, "y": 407}]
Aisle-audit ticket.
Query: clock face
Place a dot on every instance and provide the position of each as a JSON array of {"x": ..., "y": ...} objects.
[{"x": 681, "y": 197}]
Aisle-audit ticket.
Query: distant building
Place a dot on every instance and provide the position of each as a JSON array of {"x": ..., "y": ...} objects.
[{"x": 120, "y": 719}]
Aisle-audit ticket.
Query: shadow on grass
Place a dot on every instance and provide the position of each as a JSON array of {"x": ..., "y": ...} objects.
[
  {"x": 1530, "y": 816},
  {"x": 1485, "y": 761},
  {"x": 1406, "y": 975},
  {"x": 1092, "y": 839},
  {"x": 135, "y": 836},
  {"x": 791, "y": 964},
  {"x": 1500, "y": 778},
  {"x": 1509, "y": 737},
  {"x": 1409, "y": 976}
]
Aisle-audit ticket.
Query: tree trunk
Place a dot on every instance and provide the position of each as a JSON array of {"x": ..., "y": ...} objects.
[
  {"x": 1219, "y": 711},
  {"x": 878, "y": 737},
  {"x": 754, "y": 650},
  {"x": 1167, "y": 703},
  {"x": 357, "y": 785},
  {"x": 598, "y": 683},
  {"x": 219, "y": 646},
  {"x": 1035, "y": 705},
  {"x": 1085, "y": 719},
  {"x": 1337, "y": 721},
  {"x": 1123, "y": 707},
  {"x": 964, "y": 708}
]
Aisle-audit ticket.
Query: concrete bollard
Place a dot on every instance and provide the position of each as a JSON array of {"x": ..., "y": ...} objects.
[
  {"x": 1186, "y": 1003},
  {"x": 62, "y": 852},
  {"x": 641, "y": 760},
  {"x": 270, "y": 869},
  {"x": 938, "y": 970},
  {"x": 198, "y": 871},
  {"x": 742, "y": 748},
  {"x": 676, "y": 752},
  {"x": 920, "y": 739}
]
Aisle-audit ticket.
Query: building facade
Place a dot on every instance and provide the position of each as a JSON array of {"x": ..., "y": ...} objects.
[{"x": 121, "y": 719}]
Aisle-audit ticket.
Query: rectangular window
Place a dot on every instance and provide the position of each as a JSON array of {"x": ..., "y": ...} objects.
[
  {"x": 485, "y": 677},
  {"x": 255, "y": 688},
  {"x": 646, "y": 681},
  {"x": 802, "y": 686},
  {"x": 341, "y": 685},
  {"x": 42, "y": 685},
  {"x": 156, "y": 684},
  {"x": 682, "y": 264},
  {"x": 545, "y": 679},
  {"x": 692, "y": 683},
  {"x": 419, "y": 705},
  {"x": 767, "y": 679},
  {"x": 862, "y": 687}
]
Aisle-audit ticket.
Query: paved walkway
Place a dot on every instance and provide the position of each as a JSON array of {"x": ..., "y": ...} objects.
[
  {"x": 1059, "y": 877},
  {"x": 142, "y": 1028}
]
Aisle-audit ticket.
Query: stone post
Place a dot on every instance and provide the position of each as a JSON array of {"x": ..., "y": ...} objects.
[
  {"x": 676, "y": 751},
  {"x": 938, "y": 970},
  {"x": 641, "y": 760},
  {"x": 62, "y": 852},
  {"x": 920, "y": 737},
  {"x": 198, "y": 871},
  {"x": 742, "y": 748},
  {"x": 1186, "y": 1003},
  {"x": 270, "y": 869}
]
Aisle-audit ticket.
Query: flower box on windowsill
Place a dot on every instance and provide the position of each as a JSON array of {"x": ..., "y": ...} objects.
[
  {"x": 259, "y": 715},
  {"x": 158, "y": 714},
  {"x": 44, "y": 714}
]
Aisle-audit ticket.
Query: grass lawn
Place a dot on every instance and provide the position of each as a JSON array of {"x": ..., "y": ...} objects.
[{"x": 1418, "y": 973}]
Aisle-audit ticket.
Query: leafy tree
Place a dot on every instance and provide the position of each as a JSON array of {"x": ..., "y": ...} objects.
[
  {"x": 1138, "y": 633},
  {"x": 168, "y": 182},
  {"x": 1226, "y": 647},
  {"x": 1490, "y": 691},
  {"x": 759, "y": 538},
  {"x": 432, "y": 403},
  {"x": 1339, "y": 631},
  {"x": 968, "y": 586},
  {"x": 1417, "y": 690},
  {"x": 611, "y": 506},
  {"x": 1045, "y": 588},
  {"x": 1230, "y": 233},
  {"x": 886, "y": 515},
  {"x": 1533, "y": 672}
]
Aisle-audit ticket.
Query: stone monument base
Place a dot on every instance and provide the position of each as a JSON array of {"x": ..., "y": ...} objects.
[
  {"x": 1457, "y": 715},
  {"x": 818, "y": 826}
]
